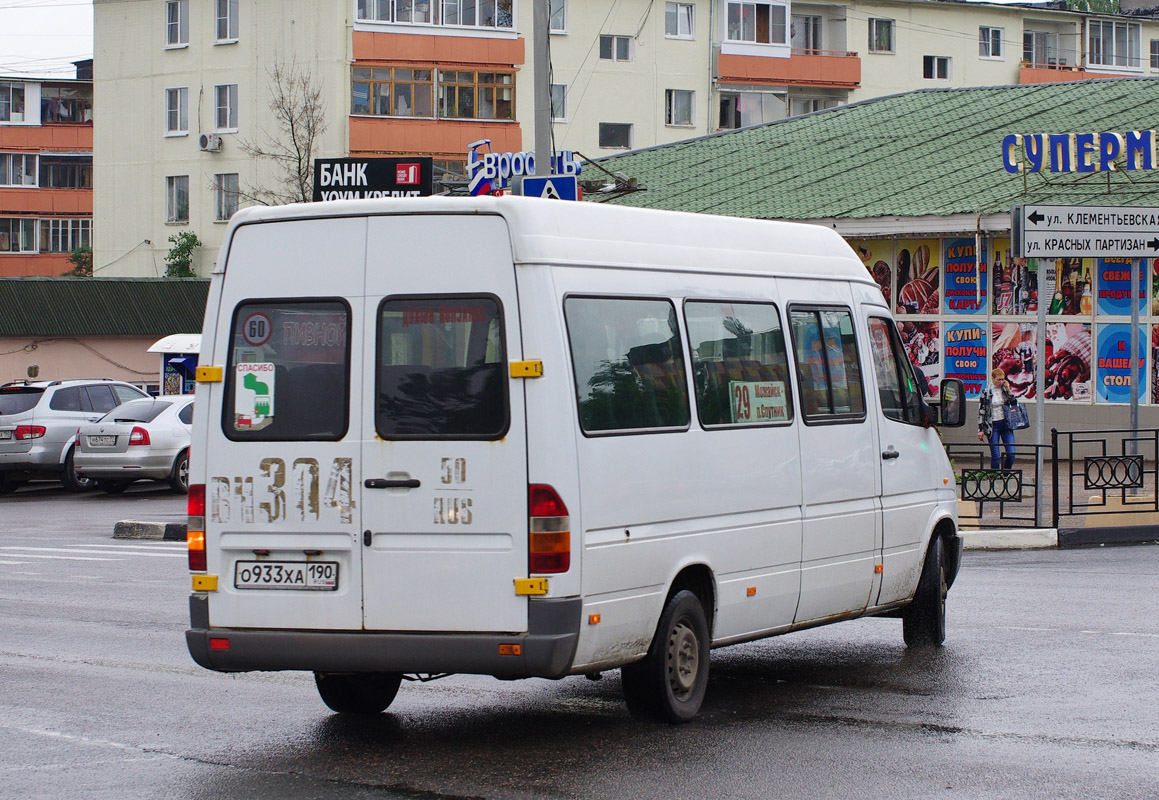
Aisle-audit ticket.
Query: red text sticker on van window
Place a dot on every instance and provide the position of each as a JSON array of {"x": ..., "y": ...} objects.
[
  {"x": 256, "y": 329},
  {"x": 406, "y": 174}
]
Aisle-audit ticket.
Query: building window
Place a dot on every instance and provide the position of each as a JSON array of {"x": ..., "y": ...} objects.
[
  {"x": 227, "y": 20},
  {"x": 11, "y": 101},
  {"x": 807, "y": 105},
  {"x": 1155, "y": 54},
  {"x": 458, "y": 13},
  {"x": 559, "y": 102},
  {"x": 176, "y": 23},
  {"x": 1040, "y": 49},
  {"x": 66, "y": 172},
  {"x": 65, "y": 235},
  {"x": 678, "y": 105},
  {"x": 741, "y": 109},
  {"x": 679, "y": 19},
  {"x": 805, "y": 33},
  {"x": 63, "y": 104},
  {"x": 557, "y": 11},
  {"x": 989, "y": 42},
  {"x": 760, "y": 23},
  {"x": 225, "y": 104},
  {"x": 936, "y": 68},
  {"x": 1113, "y": 44},
  {"x": 177, "y": 110},
  {"x": 225, "y": 190},
  {"x": 616, "y": 135},
  {"x": 467, "y": 94},
  {"x": 393, "y": 92},
  {"x": 616, "y": 48},
  {"x": 17, "y": 169},
  {"x": 449, "y": 173},
  {"x": 177, "y": 198},
  {"x": 17, "y": 235},
  {"x": 881, "y": 35}
]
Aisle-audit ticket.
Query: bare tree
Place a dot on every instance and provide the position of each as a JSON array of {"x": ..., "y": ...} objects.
[{"x": 299, "y": 112}]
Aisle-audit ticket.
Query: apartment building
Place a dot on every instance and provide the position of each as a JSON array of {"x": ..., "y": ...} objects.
[
  {"x": 192, "y": 83},
  {"x": 46, "y": 172}
]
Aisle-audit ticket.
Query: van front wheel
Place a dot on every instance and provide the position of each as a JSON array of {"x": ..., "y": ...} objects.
[
  {"x": 923, "y": 622},
  {"x": 358, "y": 693},
  {"x": 670, "y": 682}
]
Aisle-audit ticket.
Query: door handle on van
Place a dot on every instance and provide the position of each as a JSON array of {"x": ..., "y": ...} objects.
[
  {"x": 888, "y": 454},
  {"x": 386, "y": 483}
]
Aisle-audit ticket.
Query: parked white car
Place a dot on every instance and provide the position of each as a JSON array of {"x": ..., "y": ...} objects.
[{"x": 145, "y": 439}]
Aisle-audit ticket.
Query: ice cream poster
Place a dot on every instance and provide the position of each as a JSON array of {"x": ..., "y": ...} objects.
[{"x": 254, "y": 396}]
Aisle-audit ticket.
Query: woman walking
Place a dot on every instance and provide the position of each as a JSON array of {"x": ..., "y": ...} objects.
[{"x": 992, "y": 423}]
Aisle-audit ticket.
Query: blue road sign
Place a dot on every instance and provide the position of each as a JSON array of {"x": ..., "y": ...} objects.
[{"x": 554, "y": 187}]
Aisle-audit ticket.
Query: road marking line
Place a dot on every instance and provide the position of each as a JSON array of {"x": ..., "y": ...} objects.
[
  {"x": 66, "y": 558},
  {"x": 23, "y": 552},
  {"x": 13, "y": 563},
  {"x": 1019, "y": 628}
]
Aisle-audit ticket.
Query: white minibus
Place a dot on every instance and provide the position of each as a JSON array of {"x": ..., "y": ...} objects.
[{"x": 522, "y": 437}]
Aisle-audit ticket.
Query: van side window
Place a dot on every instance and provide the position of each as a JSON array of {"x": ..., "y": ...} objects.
[
  {"x": 900, "y": 398},
  {"x": 441, "y": 368},
  {"x": 629, "y": 364},
  {"x": 829, "y": 372},
  {"x": 288, "y": 374},
  {"x": 739, "y": 367}
]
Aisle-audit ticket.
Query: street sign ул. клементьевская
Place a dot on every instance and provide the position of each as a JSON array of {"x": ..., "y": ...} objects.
[{"x": 1086, "y": 231}]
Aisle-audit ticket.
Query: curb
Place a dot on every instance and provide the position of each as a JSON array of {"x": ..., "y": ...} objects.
[
  {"x": 1109, "y": 535},
  {"x": 1010, "y": 539},
  {"x": 168, "y": 531}
]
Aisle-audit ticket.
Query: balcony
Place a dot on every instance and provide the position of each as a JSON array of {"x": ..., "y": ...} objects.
[
  {"x": 1053, "y": 72},
  {"x": 833, "y": 68}
]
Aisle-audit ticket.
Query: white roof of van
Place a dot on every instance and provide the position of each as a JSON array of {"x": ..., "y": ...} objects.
[{"x": 585, "y": 233}]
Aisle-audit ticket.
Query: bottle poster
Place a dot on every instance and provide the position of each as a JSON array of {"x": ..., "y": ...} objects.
[
  {"x": 1072, "y": 292},
  {"x": 1013, "y": 281},
  {"x": 918, "y": 270},
  {"x": 966, "y": 356},
  {"x": 966, "y": 285}
]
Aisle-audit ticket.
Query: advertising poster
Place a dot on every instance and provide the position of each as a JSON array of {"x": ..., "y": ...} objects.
[
  {"x": 1068, "y": 361},
  {"x": 1014, "y": 353},
  {"x": 1113, "y": 276},
  {"x": 966, "y": 356},
  {"x": 966, "y": 284},
  {"x": 924, "y": 348},
  {"x": 1113, "y": 377},
  {"x": 1073, "y": 292},
  {"x": 917, "y": 271},
  {"x": 877, "y": 255},
  {"x": 1013, "y": 281},
  {"x": 1154, "y": 362},
  {"x": 1154, "y": 262}
]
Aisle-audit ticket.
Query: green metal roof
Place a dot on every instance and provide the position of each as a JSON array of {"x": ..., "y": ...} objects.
[
  {"x": 928, "y": 152},
  {"x": 101, "y": 306}
]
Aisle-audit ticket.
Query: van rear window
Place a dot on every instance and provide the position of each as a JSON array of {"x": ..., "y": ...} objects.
[
  {"x": 441, "y": 368},
  {"x": 288, "y": 375}
]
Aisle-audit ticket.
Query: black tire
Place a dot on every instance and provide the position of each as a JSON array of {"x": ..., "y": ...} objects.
[
  {"x": 113, "y": 487},
  {"x": 179, "y": 477},
  {"x": 358, "y": 693},
  {"x": 71, "y": 480},
  {"x": 670, "y": 682},
  {"x": 923, "y": 623}
]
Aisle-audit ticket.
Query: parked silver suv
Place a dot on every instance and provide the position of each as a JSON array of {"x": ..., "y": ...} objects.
[{"x": 38, "y": 425}]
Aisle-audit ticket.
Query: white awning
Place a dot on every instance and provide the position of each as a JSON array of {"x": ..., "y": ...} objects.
[{"x": 178, "y": 343}]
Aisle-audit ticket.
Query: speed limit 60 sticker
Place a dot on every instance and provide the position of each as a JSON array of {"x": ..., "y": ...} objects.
[{"x": 256, "y": 329}]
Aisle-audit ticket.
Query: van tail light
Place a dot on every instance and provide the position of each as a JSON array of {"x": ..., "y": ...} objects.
[
  {"x": 549, "y": 526},
  {"x": 24, "y": 432},
  {"x": 139, "y": 436},
  {"x": 195, "y": 535}
]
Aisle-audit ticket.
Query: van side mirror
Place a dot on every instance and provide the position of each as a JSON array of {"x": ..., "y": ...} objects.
[{"x": 952, "y": 402}]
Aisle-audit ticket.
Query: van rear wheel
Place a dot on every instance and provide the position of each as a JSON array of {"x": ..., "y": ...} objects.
[
  {"x": 670, "y": 682},
  {"x": 358, "y": 693},
  {"x": 923, "y": 622}
]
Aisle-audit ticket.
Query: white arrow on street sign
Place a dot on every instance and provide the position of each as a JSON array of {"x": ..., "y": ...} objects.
[{"x": 1088, "y": 231}]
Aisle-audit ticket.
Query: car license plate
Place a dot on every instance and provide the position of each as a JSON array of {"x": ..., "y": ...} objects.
[
  {"x": 102, "y": 441},
  {"x": 311, "y": 575},
  {"x": 5, "y": 434}
]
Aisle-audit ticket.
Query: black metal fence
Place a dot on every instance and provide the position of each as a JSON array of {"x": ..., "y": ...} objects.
[{"x": 1079, "y": 474}]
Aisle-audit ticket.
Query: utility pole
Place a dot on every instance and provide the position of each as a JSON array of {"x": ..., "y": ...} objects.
[{"x": 541, "y": 63}]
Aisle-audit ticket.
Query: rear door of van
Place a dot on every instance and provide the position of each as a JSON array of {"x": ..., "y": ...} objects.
[{"x": 444, "y": 451}]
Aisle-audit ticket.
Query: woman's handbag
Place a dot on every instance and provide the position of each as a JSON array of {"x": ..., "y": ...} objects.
[{"x": 1016, "y": 417}]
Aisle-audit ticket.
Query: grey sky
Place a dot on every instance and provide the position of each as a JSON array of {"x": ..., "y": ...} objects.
[{"x": 41, "y": 38}]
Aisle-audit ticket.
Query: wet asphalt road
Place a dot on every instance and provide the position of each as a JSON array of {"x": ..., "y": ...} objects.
[{"x": 1046, "y": 688}]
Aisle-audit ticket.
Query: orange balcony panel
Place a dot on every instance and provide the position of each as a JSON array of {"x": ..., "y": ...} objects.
[
  {"x": 47, "y": 202},
  {"x": 26, "y": 265},
  {"x": 815, "y": 68},
  {"x": 432, "y": 49},
  {"x": 392, "y": 136},
  {"x": 1041, "y": 73},
  {"x": 47, "y": 137}
]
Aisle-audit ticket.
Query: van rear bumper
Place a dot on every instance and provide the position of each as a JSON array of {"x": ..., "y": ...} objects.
[{"x": 546, "y": 650}]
